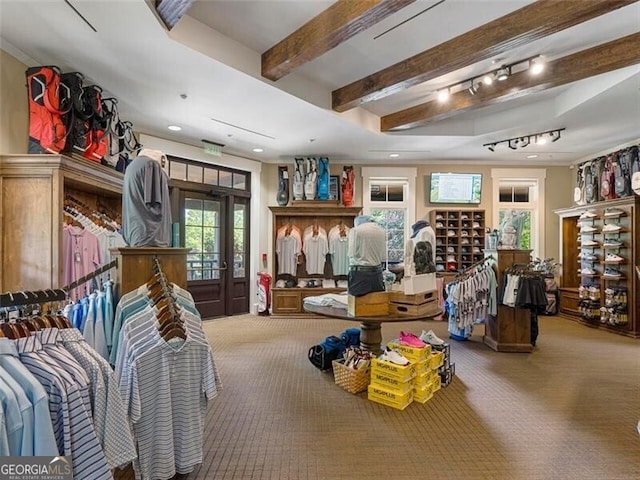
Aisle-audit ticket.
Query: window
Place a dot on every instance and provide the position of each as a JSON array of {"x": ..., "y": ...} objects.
[
  {"x": 239, "y": 250},
  {"x": 202, "y": 236},
  {"x": 387, "y": 198},
  {"x": 518, "y": 206}
]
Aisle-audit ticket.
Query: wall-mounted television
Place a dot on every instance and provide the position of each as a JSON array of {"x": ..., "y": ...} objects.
[{"x": 455, "y": 188}]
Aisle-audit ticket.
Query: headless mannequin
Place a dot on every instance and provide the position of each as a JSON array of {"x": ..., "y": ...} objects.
[
  {"x": 367, "y": 250},
  {"x": 423, "y": 240},
  {"x": 146, "y": 208}
]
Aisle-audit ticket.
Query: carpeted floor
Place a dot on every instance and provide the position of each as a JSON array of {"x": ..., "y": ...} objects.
[{"x": 569, "y": 410}]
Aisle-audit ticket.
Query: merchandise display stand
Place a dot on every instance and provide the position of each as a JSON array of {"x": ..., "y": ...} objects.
[
  {"x": 586, "y": 258},
  {"x": 510, "y": 330},
  {"x": 288, "y": 301},
  {"x": 32, "y": 192},
  {"x": 135, "y": 263}
]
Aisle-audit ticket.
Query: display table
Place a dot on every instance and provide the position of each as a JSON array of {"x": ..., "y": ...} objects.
[{"x": 371, "y": 327}]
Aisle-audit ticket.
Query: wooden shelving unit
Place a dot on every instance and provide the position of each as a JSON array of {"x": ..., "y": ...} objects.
[
  {"x": 460, "y": 237},
  {"x": 575, "y": 244},
  {"x": 32, "y": 190},
  {"x": 288, "y": 301}
]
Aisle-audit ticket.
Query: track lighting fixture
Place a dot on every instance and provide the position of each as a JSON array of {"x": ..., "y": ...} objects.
[
  {"x": 534, "y": 64},
  {"x": 443, "y": 95},
  {"x": 525, "y": 140},
  {"x": 503, "y": 73}
]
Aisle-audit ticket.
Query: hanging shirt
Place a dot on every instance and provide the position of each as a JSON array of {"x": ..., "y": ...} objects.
[
  {"x": 26, "y": 412},
  {"x": 288, "y": 247},
  {"x": 315, "y": 248},
  {"x": 165, "y": 393},
  {"x": 110, "y": 420},
  {"x": 146, "y": 208},
  {"x": 339, "y": 249},
  {"x": 81, "y": 256},
  {"x": 74, "y": 432},
  {"x": 43, "y": 438},
  {"x": 13, "y": 418}
]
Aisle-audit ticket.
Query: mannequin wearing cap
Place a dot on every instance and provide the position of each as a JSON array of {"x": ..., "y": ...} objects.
[
  {"x": 146, "y": 209},
  {"x": 367, "y": 250},
  {"x": 418, "y": 256}
]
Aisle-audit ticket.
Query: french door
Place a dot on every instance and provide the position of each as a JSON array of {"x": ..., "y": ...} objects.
[{"x": 215, "y": 228}]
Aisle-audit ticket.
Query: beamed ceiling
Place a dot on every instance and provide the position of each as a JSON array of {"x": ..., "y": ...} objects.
[{"x": 354, "y": 80}]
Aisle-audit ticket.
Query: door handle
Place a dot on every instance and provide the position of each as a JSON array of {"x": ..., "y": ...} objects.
[{"x": 224, "y": 267}]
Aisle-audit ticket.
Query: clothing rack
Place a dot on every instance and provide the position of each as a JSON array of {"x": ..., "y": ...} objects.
[
  {"x": 479, "y": 262},
  {"x": 170, "y": 325},
  {"x": 39, "y": 297},
  {"x": 92, "y": 275},
  {"x": 32, "y": 297}
]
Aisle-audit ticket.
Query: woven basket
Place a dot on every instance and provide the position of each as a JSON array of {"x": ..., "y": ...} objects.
[{"x": 353, "y": 381}]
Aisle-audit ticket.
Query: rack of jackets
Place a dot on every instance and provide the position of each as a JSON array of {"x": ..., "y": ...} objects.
[
  {"x": 60, "y": 397},
  {"x": 166, "y": 375}
]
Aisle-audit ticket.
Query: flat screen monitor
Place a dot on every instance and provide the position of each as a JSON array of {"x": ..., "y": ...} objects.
[{"x": 465, "y": 188}]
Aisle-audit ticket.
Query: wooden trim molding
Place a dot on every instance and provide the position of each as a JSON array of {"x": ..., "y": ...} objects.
[
  {"x": 333, "y": 26},
  {"x": 532, "y": 22},
  {"x": 603, "y": 58}
]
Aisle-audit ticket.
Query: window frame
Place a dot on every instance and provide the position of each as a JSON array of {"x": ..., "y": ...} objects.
[{"x": 536, "y": 205}]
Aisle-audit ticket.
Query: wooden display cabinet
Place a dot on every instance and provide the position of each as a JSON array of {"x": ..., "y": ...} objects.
[
  {"x": 288, "y": 301},
  {"x": 575, "y": 247},
  {"x": 510, "y": 330},
  {"x": 32, "y": 191},
  {"x": 460, "y": 237}
]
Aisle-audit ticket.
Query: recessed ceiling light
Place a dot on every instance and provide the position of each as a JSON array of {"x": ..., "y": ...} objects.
[
  {"x": 532, "y": 156},
  {"x": 394, "y": 155},
  {"x": 174, "y": 128},
  {"x": 258, "y": 150},
  {"x": 487, "y": 80}
]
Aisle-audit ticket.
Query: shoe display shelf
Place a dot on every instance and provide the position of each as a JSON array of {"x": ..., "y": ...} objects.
[
  {"x": 460, "y": 237},
  {"x": 289, "y": 301},
  {"x": 599, "y": 248}
]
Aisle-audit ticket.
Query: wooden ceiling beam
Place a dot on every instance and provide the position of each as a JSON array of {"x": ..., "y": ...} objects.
[
  {"x": 603, "y": 58},
  {"x": 523, "y": 26},
  {"x": 335, "y": 25}
]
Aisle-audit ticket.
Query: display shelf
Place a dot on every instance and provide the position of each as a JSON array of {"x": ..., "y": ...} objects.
[
  {"x": 460, "y": 237},
  {"x": 288, "y": 301},
  {"x": 32, "y": 190},
  {"x": 628, "y": 248}
]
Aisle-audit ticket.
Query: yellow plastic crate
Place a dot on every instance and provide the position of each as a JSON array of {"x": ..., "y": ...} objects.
[
  {"x": 437, "y": 360},
  {"x": 422, "y": 395},
  {"x": 391, "y": 383},
  {"x": 412, "y": 354},
  {"x": 387, "y": 397},
  {"x": 402, "y": 373}
]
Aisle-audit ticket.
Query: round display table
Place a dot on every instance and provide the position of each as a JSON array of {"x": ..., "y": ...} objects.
[{"x": 370, "y": 327}]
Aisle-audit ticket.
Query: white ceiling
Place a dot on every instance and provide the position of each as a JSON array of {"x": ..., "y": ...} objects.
[{"x": 213, "y": 56}]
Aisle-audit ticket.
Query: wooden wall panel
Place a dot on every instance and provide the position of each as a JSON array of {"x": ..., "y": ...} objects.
[{"x": 26, "y": 239}]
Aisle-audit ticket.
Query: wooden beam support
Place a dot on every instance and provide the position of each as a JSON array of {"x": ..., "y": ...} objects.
[
  {"x": 523, "y": 26},
  {"x": 335, "y": 25},
  {"x": 603, "y": 58}
]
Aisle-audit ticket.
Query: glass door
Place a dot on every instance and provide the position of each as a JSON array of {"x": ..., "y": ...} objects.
[{"x": 215, "y": 228}]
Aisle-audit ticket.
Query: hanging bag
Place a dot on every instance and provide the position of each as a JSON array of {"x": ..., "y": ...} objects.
[
  {"x": 78, "y": 116},
  {"x": 622, "y": 175},
  {"x": 48, "y": 102},
  {"x": 607, "y": 180}
]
